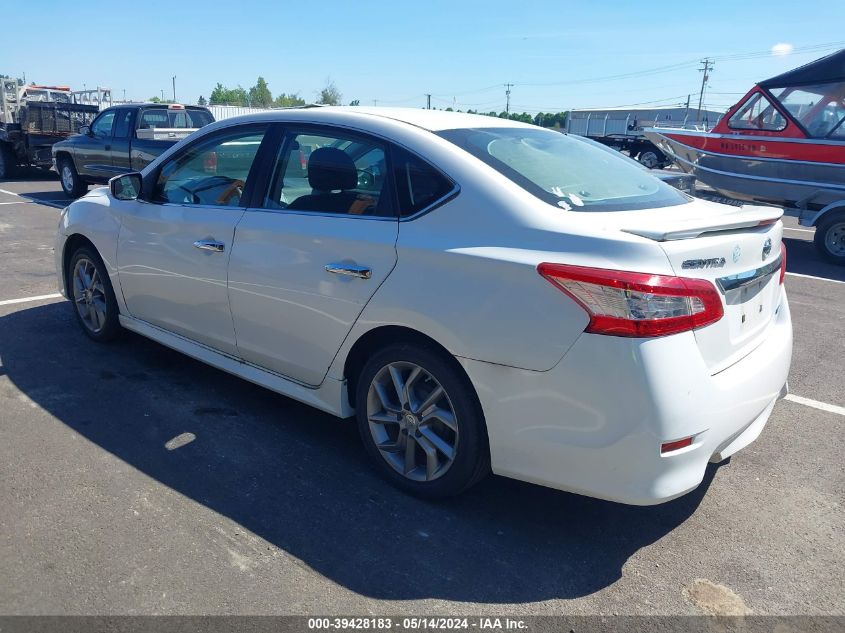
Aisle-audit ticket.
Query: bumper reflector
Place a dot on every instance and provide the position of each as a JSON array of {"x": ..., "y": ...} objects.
[{"x": 668, "y": 447}]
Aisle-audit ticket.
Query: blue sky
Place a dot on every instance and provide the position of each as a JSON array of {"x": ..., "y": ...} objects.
[{"x": 559, "y": 55}]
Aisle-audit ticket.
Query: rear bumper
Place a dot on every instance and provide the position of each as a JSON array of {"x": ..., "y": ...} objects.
[{"x": 594, "y": 423}]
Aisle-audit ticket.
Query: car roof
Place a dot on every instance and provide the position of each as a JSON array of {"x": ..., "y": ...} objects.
[{"x": 431, "y": 120}]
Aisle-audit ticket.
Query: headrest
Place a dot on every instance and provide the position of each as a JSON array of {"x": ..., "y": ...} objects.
[{"x": 330, "y": 169}]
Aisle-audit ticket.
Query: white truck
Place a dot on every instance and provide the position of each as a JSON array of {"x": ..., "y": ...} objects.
[{"x": 32, "y": 119}]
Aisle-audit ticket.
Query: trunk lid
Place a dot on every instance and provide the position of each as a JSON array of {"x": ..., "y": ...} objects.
[{"x": 738, "y": 250}]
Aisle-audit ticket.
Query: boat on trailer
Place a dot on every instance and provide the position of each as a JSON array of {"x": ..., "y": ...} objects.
[{"x": 783, "y": 143}]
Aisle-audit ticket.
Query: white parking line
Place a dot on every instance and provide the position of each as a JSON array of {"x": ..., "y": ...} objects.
[
  {"x": 56, "y": 204},
  {"x": 833, "y": 281},
  {"x": 9, "y": 302},
  {"x": 821, "y": 406}
]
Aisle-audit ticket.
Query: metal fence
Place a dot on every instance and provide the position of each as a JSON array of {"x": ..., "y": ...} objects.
[{"x": 221, "y": 112}]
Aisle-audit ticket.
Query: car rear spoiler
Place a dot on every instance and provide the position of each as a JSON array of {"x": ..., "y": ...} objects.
[{"x": 745, "y": 217}]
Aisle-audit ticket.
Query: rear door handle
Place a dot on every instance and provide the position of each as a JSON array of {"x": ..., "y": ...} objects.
[
  {"x": 210, "y": 245},
  {"x": 350, "y": 270}
]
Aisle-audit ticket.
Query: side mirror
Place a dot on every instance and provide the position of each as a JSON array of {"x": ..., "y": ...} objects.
[
  {"x": 127, "y": 186},
  {"x": 85, "y": 129}
]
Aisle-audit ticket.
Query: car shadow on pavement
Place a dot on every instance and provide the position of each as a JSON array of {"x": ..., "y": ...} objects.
[
  {"x": 803, "y": 258},
  {"x": 299, "y": 478}
]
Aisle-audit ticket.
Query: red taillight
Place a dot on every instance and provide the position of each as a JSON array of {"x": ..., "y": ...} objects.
[
  {"x": 209, "y": 162},
  {"x": 622, "y": 303},
  {"x": 782, "y": 261},
  {"x": 668, "y": 447}
]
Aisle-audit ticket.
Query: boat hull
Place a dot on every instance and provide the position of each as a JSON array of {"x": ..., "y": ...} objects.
[{"x": 792, "y": 173}]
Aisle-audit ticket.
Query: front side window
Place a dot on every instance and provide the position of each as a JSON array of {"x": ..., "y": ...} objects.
[
  {"x": 102, "y": 126},
  {"x": 819, "y": 108},
  {"x": 331, "y": 173},
  {"x": 122, "y": 125},
  {"x": 212, "y": 172},
  {"x": 564, "y": 171},
  {"x": 757, "y": 113}
]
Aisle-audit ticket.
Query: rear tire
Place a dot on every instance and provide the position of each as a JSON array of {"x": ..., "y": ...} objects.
[
  {"x": 72, "y": 184},
  {"x": 439, "y": 416},
  {"x": 8, "y": 162},
  {"x": 830, "y": 238},
  {"x": 90, "y": 291}
]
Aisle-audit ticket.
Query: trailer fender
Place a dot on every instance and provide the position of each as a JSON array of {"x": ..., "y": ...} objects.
[{"x": 812, "y": 219}]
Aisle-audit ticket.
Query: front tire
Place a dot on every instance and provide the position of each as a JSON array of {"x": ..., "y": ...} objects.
[
  {"x": 8, "y": 163},
  {"x": 420, "y": 421},
  {"x": 90, "y": 290},
  {"x": 830, "y": 238},
  {"x": 72, "y": 183}
]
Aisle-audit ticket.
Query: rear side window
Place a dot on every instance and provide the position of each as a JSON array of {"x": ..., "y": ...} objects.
[
  {"x": 328, "y": 172},
  {"x": 566, "y": 172},
  {"x": 418, "y": 184}
]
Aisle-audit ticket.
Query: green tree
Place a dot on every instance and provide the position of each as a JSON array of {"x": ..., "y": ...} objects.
[
  {"x": 154, "y": 100},
  {"x": 329, "y": 95},
  {"x": 259, "y": 94},
  {"x": 201, "y": 101},
  {"x": 355, "y": 102},
  {"x": 289, "y": 100},
  {"x": 221, "y": 95}
]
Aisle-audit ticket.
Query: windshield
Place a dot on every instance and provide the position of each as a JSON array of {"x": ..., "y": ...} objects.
[
  {"x": 566, "y": 172},
  {"x": 820, "y": 108}
]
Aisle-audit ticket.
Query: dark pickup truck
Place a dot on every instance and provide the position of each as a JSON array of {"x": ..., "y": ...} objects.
[{"x": 122, "y": 139}]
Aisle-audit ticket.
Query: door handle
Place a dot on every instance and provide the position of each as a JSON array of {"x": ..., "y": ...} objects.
[
  {"x": 350, "y": 270},
  {"x": 210, "y": 245}
]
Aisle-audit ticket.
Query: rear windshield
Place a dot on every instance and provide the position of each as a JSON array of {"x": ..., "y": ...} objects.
[
  {"x": 163, "y": 117},
  {"x": 566, "y": 172}
]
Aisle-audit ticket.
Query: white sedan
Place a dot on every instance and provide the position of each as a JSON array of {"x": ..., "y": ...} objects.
[{"x": 480, "y": 294}]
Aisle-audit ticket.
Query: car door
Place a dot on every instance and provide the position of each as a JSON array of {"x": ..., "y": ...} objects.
[
  {"x": 312, "y": 251},
  {"x": 93, "y": 151},
  {"x": 174, "y": 245},
  {"x": 124, "y": 128}
]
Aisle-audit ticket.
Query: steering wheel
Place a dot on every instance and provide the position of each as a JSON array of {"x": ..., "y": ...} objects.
[
  {"x": 366, "y": 178},
  {"x": 235, "y": 188}
]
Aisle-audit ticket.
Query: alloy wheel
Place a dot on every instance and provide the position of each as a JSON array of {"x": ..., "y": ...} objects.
[
  {"x": 412, "y": 421},
  {"x": 67, "y": 177},
  {"x": 89, "y": 295}
]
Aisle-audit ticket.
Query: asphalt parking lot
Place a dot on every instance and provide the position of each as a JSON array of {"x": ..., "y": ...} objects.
[{"x": 134, "y": 480}]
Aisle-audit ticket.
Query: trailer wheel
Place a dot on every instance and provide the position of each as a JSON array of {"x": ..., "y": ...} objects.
[
  {"x": 650, "y": 158},
  {"x": 8, "y": 164},
  {"x": 830, "y": 237},
  {"x": 72, "y": 184}
]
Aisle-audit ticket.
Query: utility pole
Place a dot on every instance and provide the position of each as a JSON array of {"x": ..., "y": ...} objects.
[
  {"x": 508, "y": 98},
  {"x": 705, "y": 69},
  {"x": 427, "y": 101},
  {"x": 375, "y": 102},
  {"x": 124, "y": 95},
  {"x": 174, "y": 88},
  {"x": 162, "y": 95}
]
